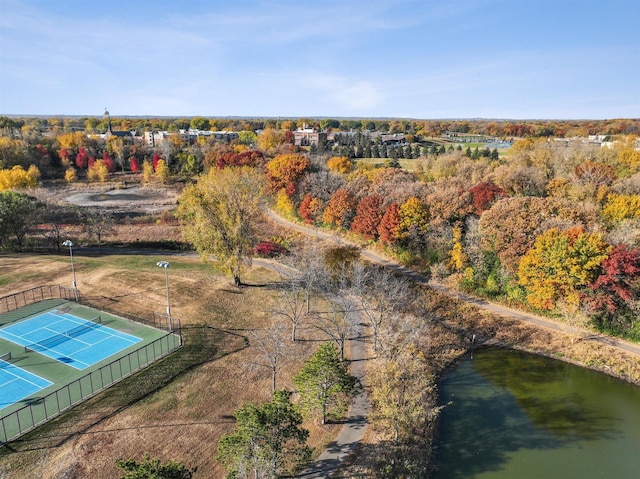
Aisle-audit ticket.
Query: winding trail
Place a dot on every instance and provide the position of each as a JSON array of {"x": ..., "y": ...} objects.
[{"x": 381, "y": 260}]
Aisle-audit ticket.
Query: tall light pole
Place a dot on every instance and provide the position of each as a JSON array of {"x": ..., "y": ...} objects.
[
  {"x": 69, "y": 243},
  {"x": 165, "y": 265}
]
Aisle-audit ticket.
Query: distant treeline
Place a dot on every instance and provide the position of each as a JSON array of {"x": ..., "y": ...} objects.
[{"x": 497, "y": 128}]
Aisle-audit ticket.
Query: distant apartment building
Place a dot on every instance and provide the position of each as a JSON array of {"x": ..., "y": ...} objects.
[
  {"x": 308, "y": 137},
  {"x": 153, "y": 138}
]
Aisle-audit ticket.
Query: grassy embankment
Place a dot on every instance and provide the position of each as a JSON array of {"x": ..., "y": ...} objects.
[{"x": 178, "y": 408}]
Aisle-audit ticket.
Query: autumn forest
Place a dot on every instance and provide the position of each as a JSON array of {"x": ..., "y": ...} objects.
[{"x": 548, "y": 221}]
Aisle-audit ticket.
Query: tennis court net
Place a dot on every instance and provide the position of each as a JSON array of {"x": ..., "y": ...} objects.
[{"x": 62, "y": 337}]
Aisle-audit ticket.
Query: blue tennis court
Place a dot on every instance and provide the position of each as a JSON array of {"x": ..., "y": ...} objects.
[
  {"x": 17, "y": 384},
  {"x": 69, "y": 339}
]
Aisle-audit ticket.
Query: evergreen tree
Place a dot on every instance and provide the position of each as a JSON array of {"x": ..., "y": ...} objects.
[
  {"x": 325, "y": 384},
  {"x": 268, "y": 440},
  {"x": 152, "y": 469}
]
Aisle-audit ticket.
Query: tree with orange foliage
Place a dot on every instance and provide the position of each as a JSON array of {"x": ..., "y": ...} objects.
[
  {"x": 245, "y": 158},
  {"x": 310, "y": 209},
  {"x": 284, "y": 170},
  {"x": 559, "y": 265},
  {"x": 368, "y": 216},
  {"x": 389, "y": 228},
  {"x": 340, "y": 209}
]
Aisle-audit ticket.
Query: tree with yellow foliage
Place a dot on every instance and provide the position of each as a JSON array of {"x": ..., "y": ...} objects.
[
  {"x": 218, "y": 216},
  {"x": 457, "y": 257},
  {"x": 559, "y": 265},
  {"x": 339, "y": 164},
  {"x": 147, "y": 171},
  {"x": 162, "y": 171},
  {"x": 284, "y": 204},
  {"x": 414, "y": 218},
  {"x": 98, "y": 172},
  {"x": 620, "y": 207},
  {"x": 628, "y": 156},
  {"x": 70, "y": 175},
  {"x": 18, "y": 178},
  {"x": 270, "y": 139}
]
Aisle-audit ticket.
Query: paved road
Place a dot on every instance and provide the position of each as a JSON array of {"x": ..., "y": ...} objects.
[{"x": 356, "y": 423}]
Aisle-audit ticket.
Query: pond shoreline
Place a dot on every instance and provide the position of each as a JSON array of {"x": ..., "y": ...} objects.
[{"x": 475, "y": 329}]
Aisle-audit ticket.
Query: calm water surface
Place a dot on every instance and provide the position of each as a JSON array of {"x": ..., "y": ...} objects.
[{"x": 519, "y": 416}]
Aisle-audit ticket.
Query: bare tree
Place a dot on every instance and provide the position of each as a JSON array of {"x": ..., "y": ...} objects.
[
  {"x": 379, "y": 294},
  {"x": 310, "y": 270},
  {"x": 274, "y": 352},
  {"x": 97, "y": 224},
  {"x": 291, "y": 302},
  {"x": 337, "y": 321}
]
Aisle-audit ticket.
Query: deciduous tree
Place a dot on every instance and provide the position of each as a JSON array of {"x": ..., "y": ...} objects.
[
  {"x": 400, "y": 390},
  {"x": 97, "y": 224},
  {"x": 340, "y": 209},
  {"x": 560, "y": 264},
  {"x": 389, "y": 228},
  {"x": 284, "y": 170},
  {"x": 218, "y": 216},
  {"x": 620, "y": 207},
  {"x": 368, "y": 216},
  {"x": 483, "y": 195},
  {"x": 611, "y": 295},
  {"x": 339, "y": 164},
  {"x": 18, "y": 212},
  {"x": 310, "y": 209}
]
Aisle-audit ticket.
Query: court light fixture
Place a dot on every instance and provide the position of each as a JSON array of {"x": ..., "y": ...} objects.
[
  {"x": 69, "y": 244},
  {"x": 165, "y": 265}
]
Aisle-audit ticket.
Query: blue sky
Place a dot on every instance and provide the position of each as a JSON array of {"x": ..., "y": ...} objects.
[{"x": 516, "y": 59}]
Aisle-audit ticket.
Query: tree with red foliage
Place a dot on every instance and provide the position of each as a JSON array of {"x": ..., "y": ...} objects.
[
  {"x": 154, "y": 160},
  {"x": 82, "y": 158},
  {"x": 611, "y": 295},
  {"x": 246, "y": 158},
  {"x": 368, "y": 216},
  {"x": 135, "y": 166},
  {"x": 108, "y": 162},
  {"x": 484, "y": 194},
  {"x": 289, "y": 137},
  {"x": 389, "y": 227},
  {"x": 64, "y": 154}
]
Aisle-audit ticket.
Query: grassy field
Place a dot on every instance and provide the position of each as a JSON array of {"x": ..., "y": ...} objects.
[{"x": 178, "y": 408}]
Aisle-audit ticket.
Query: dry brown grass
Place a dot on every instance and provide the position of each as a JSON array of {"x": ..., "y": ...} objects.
[{"x": 185, "y": 419}]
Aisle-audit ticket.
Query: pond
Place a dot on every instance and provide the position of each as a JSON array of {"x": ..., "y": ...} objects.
[{"x": 516, "y": 415}]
